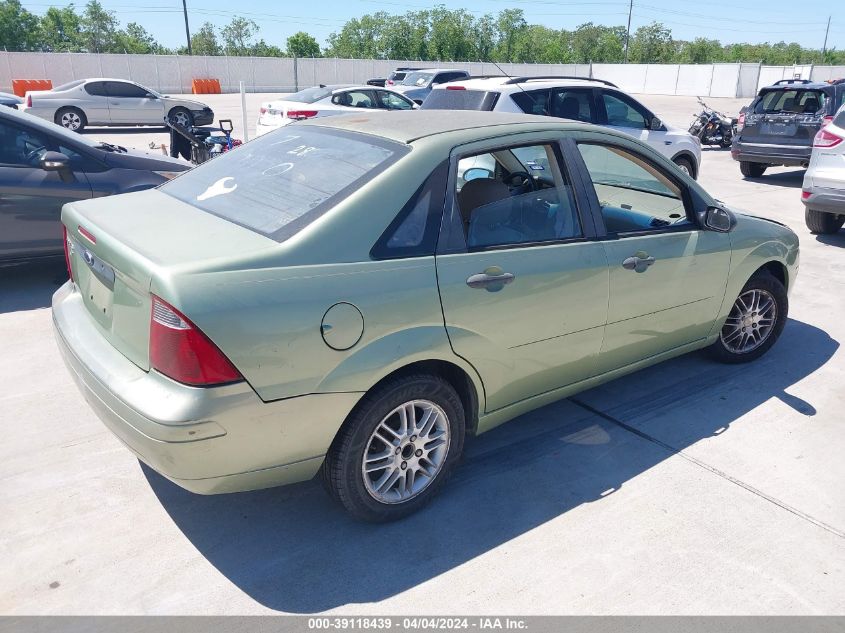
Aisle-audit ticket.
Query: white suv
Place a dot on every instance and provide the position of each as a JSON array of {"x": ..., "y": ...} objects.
[
  {"x": 589, "y": 100},
  {"x": 823, "y": 193}
]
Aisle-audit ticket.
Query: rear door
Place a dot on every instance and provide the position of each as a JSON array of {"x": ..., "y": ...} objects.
[
  {"x": 31, "y": 199},
  {"x": 96, "y": 104},
  {"x": 523, "y": 283},
  {"x": 130, "y": 104},
  {"x": 785, "y": 118}
]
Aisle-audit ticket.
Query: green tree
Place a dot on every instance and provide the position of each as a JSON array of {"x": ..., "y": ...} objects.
[
  {"x": 237, "y": 36},
  {"x": 99, "y": 29},
  {"x": 700, "y": 51},
  {"x": 61, "y": 30},
  {"x": 303, "y": 45},
  {"x": 652, "y": 44},
  {"x": 596, "y": 43},
  {"x": 204, "y": 41},
  {"x": 510, "y": 26},
  {"x": 135, "y": 39},
  {"x": 263, "y": 49},
  {"x": 19, "y": 29}
]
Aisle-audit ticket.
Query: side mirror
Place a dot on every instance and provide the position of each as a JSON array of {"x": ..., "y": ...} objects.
[
  {"x": 656, "y": 124},
  {"x": 58, "y": 162},
  {"x": 474, "y": 173},
  {"x": 719, "y": 220},
  {"x": 150, "y": 96}
]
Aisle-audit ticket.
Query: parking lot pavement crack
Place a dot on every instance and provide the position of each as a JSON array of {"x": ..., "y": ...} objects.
[{"x": 708, "y": 467}]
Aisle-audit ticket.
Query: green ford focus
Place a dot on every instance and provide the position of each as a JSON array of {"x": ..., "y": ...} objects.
[{"x": 353, "y": 296}]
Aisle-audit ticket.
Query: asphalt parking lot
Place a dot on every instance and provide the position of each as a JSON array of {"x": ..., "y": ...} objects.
[{"x": 687, "y": 488}]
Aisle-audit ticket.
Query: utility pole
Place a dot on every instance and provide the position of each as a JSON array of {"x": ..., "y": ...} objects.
[
  {"x": 628, "y": 31},
  {"x": 187, "y": 30},
  {"x": 827, "y": 30}
]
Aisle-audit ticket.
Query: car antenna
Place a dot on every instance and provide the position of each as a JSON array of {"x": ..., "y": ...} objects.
[{"x": 509, "y": 76}]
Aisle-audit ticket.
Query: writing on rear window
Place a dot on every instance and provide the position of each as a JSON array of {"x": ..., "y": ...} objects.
[{"x": 281, "y": 182}]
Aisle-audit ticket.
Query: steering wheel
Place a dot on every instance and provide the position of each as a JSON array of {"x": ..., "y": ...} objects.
[
  {"x": 525, "y": 186},
  {"x": 34, "y": 154}
]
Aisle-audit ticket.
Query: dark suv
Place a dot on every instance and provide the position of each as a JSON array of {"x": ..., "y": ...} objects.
[{"x": 779, "y": 126}]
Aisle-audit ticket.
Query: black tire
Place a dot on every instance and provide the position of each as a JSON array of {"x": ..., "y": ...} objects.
[
  {"x": 762, "y": 280},
  {"x": 752, "y": 170},
  {"x": 342, "y": 470},
  {"x": 727, "y": 139},
  {"x": 821, "y": 222},
  {"x": 182, "y": 116},
  {"x": 70, "y": 118},
  {"x": 686, "y": 165}
]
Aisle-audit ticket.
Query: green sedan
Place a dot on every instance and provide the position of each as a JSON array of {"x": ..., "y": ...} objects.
[{"x": 353, "y": 296}]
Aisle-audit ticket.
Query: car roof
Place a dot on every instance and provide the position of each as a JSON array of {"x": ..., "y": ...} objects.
[
  {"x": 798, "y": 85},
  {"x": 437, "y": 70},
  {"x": 408, "y": 126},
  {"x": 500, "y": 83}
]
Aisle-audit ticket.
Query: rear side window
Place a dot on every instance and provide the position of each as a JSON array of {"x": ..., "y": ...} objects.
[
  {"x": 791, "y": 102},
  {"x": 310, "y": 95},
  {"x": 281, "y": 182},
  {"x": 96, "y": 88},
  {"x": 460, "y": 100}
]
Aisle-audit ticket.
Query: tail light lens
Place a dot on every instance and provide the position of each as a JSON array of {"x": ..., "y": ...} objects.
[
  {"x": 824, "y": 138},
  {"x": 301, "y": 114},
  {"x": 805, "y": 195},
  {"x": 28, "y": 101},
  {"x": 67, "y": 252},
  {"x": 741, "y": 122},
  {"x": 262, "y": 110},
  {"x": 179, "y": 350},
  {"x": 455, "y": 87}
]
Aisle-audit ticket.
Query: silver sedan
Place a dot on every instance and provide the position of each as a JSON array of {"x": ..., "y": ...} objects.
[{"x": 112, "y": 102}]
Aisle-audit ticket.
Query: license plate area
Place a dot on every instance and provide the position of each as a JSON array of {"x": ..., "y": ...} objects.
[
  {"x": 779, "y": 129},
  {"x": 96, "y": 283}
]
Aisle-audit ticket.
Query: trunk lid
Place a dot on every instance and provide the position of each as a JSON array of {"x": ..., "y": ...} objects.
[{"x": 122, "y": 246}]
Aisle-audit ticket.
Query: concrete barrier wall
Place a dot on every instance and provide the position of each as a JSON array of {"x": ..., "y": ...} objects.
[{"x": 173, "y": 73}]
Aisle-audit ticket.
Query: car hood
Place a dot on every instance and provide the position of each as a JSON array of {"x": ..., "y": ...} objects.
[{"x": 140, "y": 159}]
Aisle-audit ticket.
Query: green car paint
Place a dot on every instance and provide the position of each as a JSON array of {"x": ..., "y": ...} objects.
[{"x": 284, "y": 312}]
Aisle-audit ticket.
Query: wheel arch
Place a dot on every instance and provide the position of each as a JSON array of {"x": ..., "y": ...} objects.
[{"x": 688, "y": 155}]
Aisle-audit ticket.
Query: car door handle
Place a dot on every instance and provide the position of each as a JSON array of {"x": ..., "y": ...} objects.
[
  {"x": 638, "y": 263},
  {"x": 495, "y": 281}
]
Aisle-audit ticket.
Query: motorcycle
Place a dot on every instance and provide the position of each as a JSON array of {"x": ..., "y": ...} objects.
[
  {"x": 712, "y": 127},
  {"x": 199, "y": 144}
]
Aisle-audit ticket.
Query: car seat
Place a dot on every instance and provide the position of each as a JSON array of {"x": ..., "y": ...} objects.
[
  {"x": 811, "y": 105},
  {"x": 567, "y": 108}
]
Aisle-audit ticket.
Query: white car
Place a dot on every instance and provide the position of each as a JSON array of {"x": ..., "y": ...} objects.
[
  {"x": 321, "y": 101},
  {"x": 117, "y": 102},
  {"x": 589, "y": 100},
  {"x": 823, "y": 193}
]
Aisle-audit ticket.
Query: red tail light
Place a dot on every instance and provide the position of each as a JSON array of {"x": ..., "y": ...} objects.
[
  {"x": 740, "y": 122},
  {"x": 826, "y": 139},
  {"x": 805, "y": 195},
  {"x": 301, "y": 114},
  {"x": 67, "y": 252},
  {"x": 179, "y": 350},
  {"x": 262, "y": 110},
  {"x": 455, "y": 87},
  {"x": 389, "y": 82}
]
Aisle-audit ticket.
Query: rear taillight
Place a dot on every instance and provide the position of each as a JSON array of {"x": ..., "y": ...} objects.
[
  {"x": 301, "y": 114},
  {"x": 455, "y": 87},
  {"x": 805, "y": 195},
  {"x": 825, "y": 138},
  {"x": 740, "y": 122},
  {"x": 68, "y": 250},
  {"x": 179, "y": 350},
  {"x": 262, "y": 110},
  {"x": 389, "y": 82},
  {"x": 28, "y": 101}
]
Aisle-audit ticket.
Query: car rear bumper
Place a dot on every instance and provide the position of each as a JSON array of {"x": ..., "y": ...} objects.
[
  {"x": 261, "y": 129},
  {"x": 825, "y": 200},
  {"x": 771, "y": 154},
  {"x": 207, "y": 440}
]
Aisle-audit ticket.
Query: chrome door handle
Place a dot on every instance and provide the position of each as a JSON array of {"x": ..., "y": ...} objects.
[
  {"x": 638, "y": 263},
  {"x": 489, "y": 281}
]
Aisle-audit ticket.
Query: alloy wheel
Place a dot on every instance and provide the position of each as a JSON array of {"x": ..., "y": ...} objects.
[
  {"x": 71, "y": 120},
  {"x": 750, "y": 322},
  {"x": 406, "y": 452},
  {"x": 181, "y": 118}
]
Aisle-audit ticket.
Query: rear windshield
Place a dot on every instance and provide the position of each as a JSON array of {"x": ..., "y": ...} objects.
[
  {"x": 417, "y": 79},
  {"x": 447, "y": 99},
  {"x": 791, "y": 102},
  {"x": 279, "y": 183},
  {"x": 310, "y": 95}
]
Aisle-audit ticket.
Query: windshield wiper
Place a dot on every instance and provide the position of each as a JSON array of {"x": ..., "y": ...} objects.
[{"x": 110, "y": 147}]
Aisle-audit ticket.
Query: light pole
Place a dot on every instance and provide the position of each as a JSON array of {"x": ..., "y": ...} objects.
[
  {"x": 187, "y": 30},
  {"x": 628, "y": 30}
]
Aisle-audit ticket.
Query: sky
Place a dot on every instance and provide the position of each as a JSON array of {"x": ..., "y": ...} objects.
[{"x": 718, "y": 19}]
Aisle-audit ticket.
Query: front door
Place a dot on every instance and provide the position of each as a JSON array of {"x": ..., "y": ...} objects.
[
  {"x": 523, "y": 284},
  {"x": 31, "y": 199},
  {"x": 132, "y": 105},
  {"x": 667, "y": 275}
]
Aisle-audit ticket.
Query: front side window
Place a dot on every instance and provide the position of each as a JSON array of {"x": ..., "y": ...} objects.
[
  {"x": 417, "y": 79},
  {"x": 620, "y": 113},
  {"x": 279, "y": 183},
  {"x": 391, "y": 101},
  {"x": 21, "y": 147},
  {"x": 124, "y": 90},
  {"x": 515, "y": 195},
  {"x": 532, "y": 101},
  {"x": 634, "y": 194}
]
